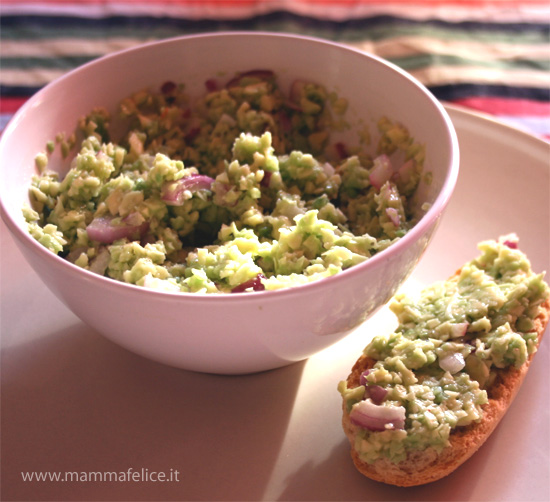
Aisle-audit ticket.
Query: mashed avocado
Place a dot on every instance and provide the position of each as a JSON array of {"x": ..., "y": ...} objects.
[
  {"x": 437, "y": 368},
  {"x": 238, "y": 190}
]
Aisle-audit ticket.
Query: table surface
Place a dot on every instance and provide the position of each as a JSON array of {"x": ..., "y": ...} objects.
[{"x": 75, "y": 402}]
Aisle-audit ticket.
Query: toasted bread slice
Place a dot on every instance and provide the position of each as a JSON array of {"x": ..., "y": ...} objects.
[{"x": 425, "y": 466}]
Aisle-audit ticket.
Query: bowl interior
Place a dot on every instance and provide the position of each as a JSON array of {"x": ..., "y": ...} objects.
[{"x": 373, "y": 88}]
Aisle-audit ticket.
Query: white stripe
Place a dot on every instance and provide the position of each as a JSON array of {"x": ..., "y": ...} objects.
[
  {"x": 533, "y": 125},
  {"x": 429, "y": 76},
  {"x": 445, "y": 75},
  {"x": 34, "y": 77},
  {"x": 409, "y": 45},
  {"x": 493, "y": 13},
  {"x": 62, "y": 47},
  {"x": 387, "y": 48}
]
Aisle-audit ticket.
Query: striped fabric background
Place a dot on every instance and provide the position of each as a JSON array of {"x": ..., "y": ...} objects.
[{"x": 489, "y": 56}]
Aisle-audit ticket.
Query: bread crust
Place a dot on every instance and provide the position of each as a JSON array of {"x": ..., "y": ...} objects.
[{"x": 421, "y": 467}]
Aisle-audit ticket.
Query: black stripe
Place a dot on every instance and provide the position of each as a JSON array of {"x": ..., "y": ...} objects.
[
  {"x": 441, "y": 92},
  {"x": 460, "y": 91},
  {"x": 18, "y": 91}
]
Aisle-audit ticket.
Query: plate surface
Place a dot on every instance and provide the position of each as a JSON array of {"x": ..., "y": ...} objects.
[{"x": 74, "y": 402}]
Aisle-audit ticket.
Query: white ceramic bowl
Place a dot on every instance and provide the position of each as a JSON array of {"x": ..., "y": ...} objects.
[{"x": 230, "y": 333}]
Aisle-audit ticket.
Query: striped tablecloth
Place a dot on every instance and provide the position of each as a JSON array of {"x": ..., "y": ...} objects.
[{"x": 489, "y": 56}]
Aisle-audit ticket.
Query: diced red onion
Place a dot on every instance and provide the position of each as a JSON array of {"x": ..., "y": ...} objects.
[
  {"x": 381, "y": 171},
  {"x": 329, "y": 169},
  {"x": 452, "y": 363},
  {"x": 254, "y": 284},
  {"x": 458, "y": 330},
  {"x": 102, "y": 229},
  {"x": 341, "y": 150},
  {"x": 510, "y": 240},
  {"x": 393, "y": 215},
  {"x": 511, "y": 244},
  {"x": 376, "y": 393},
  {"x": 375, "y": 417},
  {"x": 168, "y": 87},
  {"x": 363, "y": 377},
  {"x": 220, "y": 194},
  {"x": 147, "y": 238},
  {"x": 211, "y": 85},
  {"x": 266, "y": 179},
  {"x": 192, "y": 134},
  {"x": 172, "y": 191}
]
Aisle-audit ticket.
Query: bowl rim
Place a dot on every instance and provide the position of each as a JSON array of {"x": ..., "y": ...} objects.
[{"x": 433, "y": 212}]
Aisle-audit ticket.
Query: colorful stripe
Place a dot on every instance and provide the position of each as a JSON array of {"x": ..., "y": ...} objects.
[
  {"x": 538, "y": 126},
  {"x": 371, "y": 27},
  {"x": 391, "y": 47},
  {"x": 488, "y": 55},
  {"x": 508, "y": 107},
  {"x": 504, "y": 11}
]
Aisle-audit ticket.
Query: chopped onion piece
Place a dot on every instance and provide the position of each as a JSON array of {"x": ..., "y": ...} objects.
[
  {"x": 363, "y": 377},
  {"x": 452, "y": 363},
  {"x": 375, "y": 417},
  {"x": 341, "y": 150},
  {"x": 381, "y": 171},
  {"x": 510, "y": 240},
  {"x": 211, "y": 85},
  {"x": 459, "y": 330},
  {"x": 376, "y": 393},
  {"x": 192, "y": 133},
  {"x": 168, "y": 87},
  {"x": 102, "y": 229},
  {"x": 266, "y": 179},
  {"x": 329, "y": 169},
  {"x": 254, "y": 284},
  {"x": 173, "y": 191},
  {"x": 393, "y": 215}
]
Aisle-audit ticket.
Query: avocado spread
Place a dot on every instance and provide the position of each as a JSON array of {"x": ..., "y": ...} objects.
[
  {"x": 216, "y": 195},
  {"x": 434, "y": 373}
]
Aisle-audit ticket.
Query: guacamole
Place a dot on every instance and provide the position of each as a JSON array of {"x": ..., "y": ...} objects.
[
  {"x": 241, "y": 189},
  {"x": 434, "y": 373}
]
